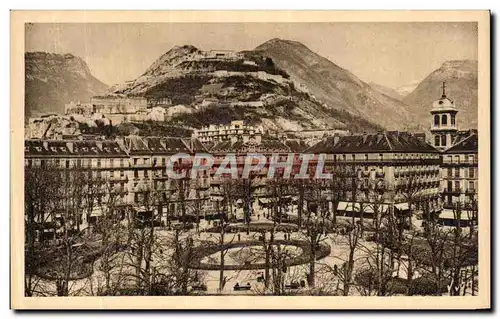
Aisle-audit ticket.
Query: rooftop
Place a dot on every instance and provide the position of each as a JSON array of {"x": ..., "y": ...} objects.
[
  {"x": 373, "y": 143},
  {"x": 466, "y": 145}
]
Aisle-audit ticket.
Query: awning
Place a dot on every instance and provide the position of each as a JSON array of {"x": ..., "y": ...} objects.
[
  {"x": 342, "y": 206},
  {"x": 370, "y": 208},
  {"x": 449, "y": 214},
  {"x": 367, "y": 207},
  {"x": 402, "y": 206},
  {"x": 96, "y": 212},
  {"x": 353, "y": 207}
]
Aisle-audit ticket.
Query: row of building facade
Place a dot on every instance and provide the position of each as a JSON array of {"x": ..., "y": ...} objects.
[{"x": 397, "y": 169}]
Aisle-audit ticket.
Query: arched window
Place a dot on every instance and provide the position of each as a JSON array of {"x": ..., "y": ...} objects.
[
  {"x": 452, "y": 119},
  {"x": 436, "y": 120},
  {"x": 444, "y": 119},
  {"x": 443, "y": 140},
  {"x": 437, "y": 140}
]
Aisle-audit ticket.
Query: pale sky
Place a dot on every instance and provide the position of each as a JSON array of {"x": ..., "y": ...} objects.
[{"x": 391, "y": 54}]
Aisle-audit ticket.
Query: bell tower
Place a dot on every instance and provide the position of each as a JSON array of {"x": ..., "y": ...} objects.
[{"x": 443, "y": 126}]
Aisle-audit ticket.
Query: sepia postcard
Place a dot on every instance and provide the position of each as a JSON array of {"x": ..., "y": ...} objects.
[{"x": 250, "y": 160}]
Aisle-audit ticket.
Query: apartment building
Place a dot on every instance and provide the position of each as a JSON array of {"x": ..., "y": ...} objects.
[
  {"x": 89, "y": 174},
  {"x": 459, "y": 184},
  {"x": 396, "y": 170},
  {"x": 131, "y": 170},
  {"x": 217, "y": 133},
  {"x": 252, "y": 191}
]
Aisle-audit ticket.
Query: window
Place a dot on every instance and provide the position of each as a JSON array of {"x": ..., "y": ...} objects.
[
  {"x": 436, "y": 120},
  {"x": 471, "y": 158},
  {"x": 380, "y": 156},
  {"x": 457, "y": 185},
  {"x": 443, "y": 140},
  {"x": 457, "y": 158},
  {"x": 122, "y": 173},
  {"x": 135, "y": 161},
  {"x": 450, "y": 172},
  {"x": 457, "y": 172},
  {"x": 444, "y": 119},
  {"x": 452, "y": 118},
  {"x": 437, "y": 140},
  {"x": 471, "y": 172},
  {"x": 136, "y": 174},
  {"x": 67, "y": 163},
  {"x": 98, "y": 163},
  {"x": 78, "y": 163},
  {"x": 471, "y": 185},
  {"x": 366, "y": 157}
]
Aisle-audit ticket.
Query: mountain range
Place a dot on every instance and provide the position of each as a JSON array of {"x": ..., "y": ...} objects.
[
  {"x": 460, "y": 79},
  {"x": 281, "y": 84},
  {"x": 335, "y": 86},
  {"x": 242, "y": 85},
  {"x": 52, "y": 80}
]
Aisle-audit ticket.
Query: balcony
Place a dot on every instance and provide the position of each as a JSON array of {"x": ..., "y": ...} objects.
[
  {"x": 453, "y": 191},
  {"x": 120, "y": 178},
  {"x": 470, "y": 191},
  {"x": 460, "y": 163}
]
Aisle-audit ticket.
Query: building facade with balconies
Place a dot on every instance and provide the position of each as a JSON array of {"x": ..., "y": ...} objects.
[
  {"x": 132, "y": 171},
  {"x": 459, "y": 184},
  {"x": 82, "y": 176},
  {"x": 393, "y": 169}
]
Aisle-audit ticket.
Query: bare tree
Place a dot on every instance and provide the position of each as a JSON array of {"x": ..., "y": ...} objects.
[{"x": 41, "y": 189}]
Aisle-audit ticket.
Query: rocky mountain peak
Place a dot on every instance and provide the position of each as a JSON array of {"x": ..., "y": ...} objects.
[
  {"x": 281, "y": 42},
  {"x": 462, "y": 64},
  {"x": 334, "y": 86},
  {"x": 461, "y": 86},
  {"x": 170, "y": 58},
  {"x": 53, "y": 80}
]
